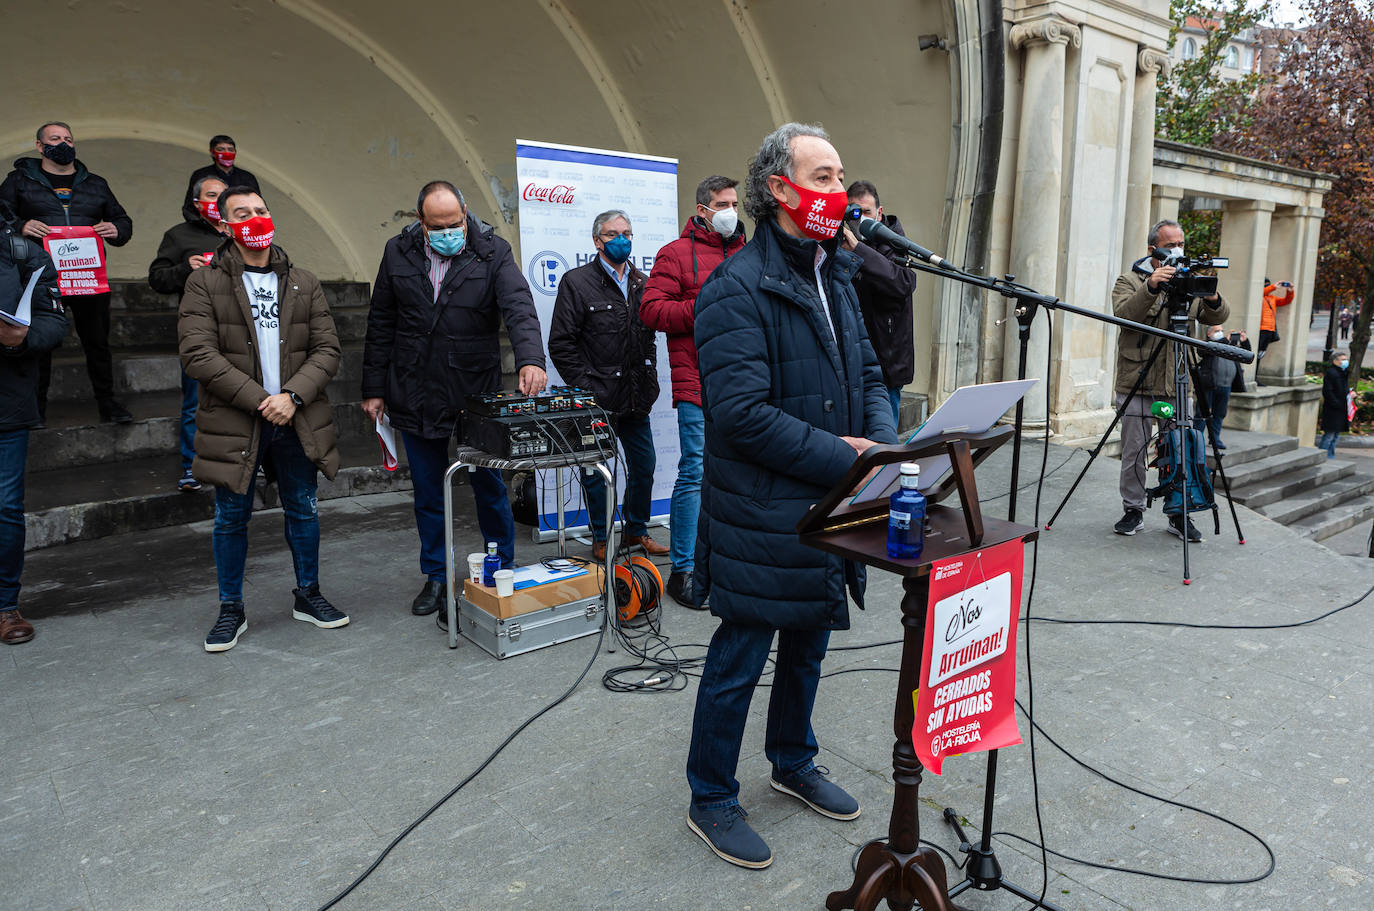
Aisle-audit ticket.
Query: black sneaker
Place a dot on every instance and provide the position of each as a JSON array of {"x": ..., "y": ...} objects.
[
  {"x": 187, "y": 483},
  {"x": 1176, "y": 529},
  {"x": 1132, "y": 522},
  {"x": 818, "y": 792},
  {"x": 231, "y": 624},
  {"x": 312, "y": 608},
  {"x": 726, "y": 833},
  {"x": 682, "y": 590},
  {"x": 113, "y": 411}
]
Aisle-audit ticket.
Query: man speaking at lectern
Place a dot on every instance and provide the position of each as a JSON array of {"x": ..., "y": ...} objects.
[{"x": 792, "y": 393}]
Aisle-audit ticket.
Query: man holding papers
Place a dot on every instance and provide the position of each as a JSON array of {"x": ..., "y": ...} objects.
[{"x": 31, "y": 322}]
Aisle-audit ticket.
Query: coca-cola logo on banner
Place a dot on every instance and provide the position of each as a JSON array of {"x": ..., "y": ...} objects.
[{"x": 561, "y": 194}]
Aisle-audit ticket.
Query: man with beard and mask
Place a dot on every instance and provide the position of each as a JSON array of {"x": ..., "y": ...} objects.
[
  {"x": 223, "y": 152},
  {"x": 885, "y": 287},
  {"x": 185, "y": 248},
  {"x": 792, "y": 393},
  {"x": 444, "y": 285},
  {"x": 710, "y": 236},
  {"x": 1140, "y": 296},
  {"x": 599, "y": 342},
  {"x": 256, "y": 333},
  {"x": 57, "y": 189}
]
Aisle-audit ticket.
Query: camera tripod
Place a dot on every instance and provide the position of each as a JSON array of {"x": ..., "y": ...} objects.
[{"x": 1183, "y": 370}]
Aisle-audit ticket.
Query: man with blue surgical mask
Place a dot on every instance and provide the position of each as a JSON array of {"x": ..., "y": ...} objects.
[
  {"x": 599, "y": 342},
  {"x": 431, "y": 342}
]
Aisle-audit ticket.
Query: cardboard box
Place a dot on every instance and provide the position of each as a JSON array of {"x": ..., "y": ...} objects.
[{"x": 537, "y": 597}]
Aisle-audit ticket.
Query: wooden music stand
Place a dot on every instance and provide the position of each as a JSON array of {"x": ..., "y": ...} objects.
[{"x": 902, "y": 871}]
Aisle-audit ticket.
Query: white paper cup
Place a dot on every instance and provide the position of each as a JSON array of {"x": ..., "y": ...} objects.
[
  {"x": 475, "y": 567},
  {"x": 505, "y": 582}
]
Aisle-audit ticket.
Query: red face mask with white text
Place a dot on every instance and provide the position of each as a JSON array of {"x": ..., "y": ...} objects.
[
  {"x": 818, "y": 215},
  {"x": 210, "y": 209},
  {"x": 255, "y": 233},
  {"x": 224, "y": 159}
]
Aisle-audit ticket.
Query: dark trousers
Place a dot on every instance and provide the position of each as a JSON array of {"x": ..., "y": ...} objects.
[
  {"x": 1218, "y": 400},
  {"x": 296, "y": 482},
  {"x": 428, "y": 462},
  {"x": 637, "y": 440},
  {"x": 733, "y": 664},
  {"x": 90, "y": 314},
  {"x": 14, "y": 449},
  {"x": 190, "y": 395}
]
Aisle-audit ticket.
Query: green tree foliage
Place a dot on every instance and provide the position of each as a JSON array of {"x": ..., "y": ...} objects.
[
  {"x": 1194, "y": 104},
  {"x": 1319, "y": 115}
]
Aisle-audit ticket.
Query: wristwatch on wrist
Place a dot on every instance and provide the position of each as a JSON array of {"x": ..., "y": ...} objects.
[{"x": 295, "y": 399}]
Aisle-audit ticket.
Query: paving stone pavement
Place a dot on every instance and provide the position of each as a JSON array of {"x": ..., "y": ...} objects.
[{"x": 143, "y": 774}]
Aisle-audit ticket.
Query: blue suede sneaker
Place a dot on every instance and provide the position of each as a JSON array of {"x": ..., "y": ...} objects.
[
  {"x": 725, "y": 832},
  {"x": 818, "y": 792}
]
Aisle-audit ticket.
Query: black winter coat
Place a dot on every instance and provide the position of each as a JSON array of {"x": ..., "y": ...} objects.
[
  {"x": 47, "y": 327},
  {"x": 168, "y": 273},
  {"x": 1335, "y": 417},
  {"x": 778, "y": 393},
  {"x": 29, "y": 193},
  {"x": 425, "y": 356},
  {"x": 885, "y": 290},
  {"x": 237, "y": 177},
  {"x": 598, "y": 340}
]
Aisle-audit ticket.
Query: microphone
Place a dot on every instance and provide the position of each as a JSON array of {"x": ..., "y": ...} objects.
[{"x": 870, "y": 230}]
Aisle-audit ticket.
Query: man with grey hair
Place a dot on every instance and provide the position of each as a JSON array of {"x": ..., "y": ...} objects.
[
  {"x": 443, "y": 284},
  {"x": 599, "y": 342},
  {"x": 1140, "y": 295},
  {"x": 792, "y": 394}
]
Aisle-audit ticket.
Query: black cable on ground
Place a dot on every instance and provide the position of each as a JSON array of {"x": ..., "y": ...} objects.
[{"x": 475, "y": 772}]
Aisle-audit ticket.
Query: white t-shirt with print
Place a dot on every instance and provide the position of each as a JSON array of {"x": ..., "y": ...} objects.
[{"x": 266, "y": 304}]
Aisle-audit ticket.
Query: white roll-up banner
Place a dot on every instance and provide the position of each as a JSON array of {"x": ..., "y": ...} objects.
[{"x": 562, "y": 190}]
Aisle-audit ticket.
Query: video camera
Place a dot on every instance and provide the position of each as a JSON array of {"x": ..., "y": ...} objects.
[{"x": 1188, "y": 283}]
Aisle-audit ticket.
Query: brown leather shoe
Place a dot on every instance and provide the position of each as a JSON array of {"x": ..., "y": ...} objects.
[
  {"x": 599, "y": 552},
  {"x": 14, "y": 629},
  {"x": 651, "y": 547}
]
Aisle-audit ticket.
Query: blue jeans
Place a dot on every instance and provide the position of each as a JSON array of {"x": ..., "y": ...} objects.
[
  {"x": 1328, "y": 442},
  {"x": 428, "y": 461},
  {"x": 691, "y": 438},
  {"x": 894, "y": 394},
  {"x": 189, "y": 393},
  {"x": 637, "y": 440},
  {"x": 733, "y": 665},
  {"x": 14, "y": 450},
  {"x": 295, "y": 475},
  {"x": 1218, "y": 402}
]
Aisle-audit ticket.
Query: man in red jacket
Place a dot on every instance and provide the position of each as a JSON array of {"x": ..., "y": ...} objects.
[{"x": 668, "y": 306}]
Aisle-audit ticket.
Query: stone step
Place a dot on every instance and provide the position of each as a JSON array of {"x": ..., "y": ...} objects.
[
  {"x": 1283, "y": 463},
  {"x": 79, "y": 504},
  {"x": 1320, "y": 499},
  {"x": 126, "y": 294},
  {"x": 1336, "y": 519},
  {"x": 1272, "y": 490},
  {"x": 1250, "y": 446},
  {"x": 160, "y": 371},
  {"x": 74, "y": 438}
]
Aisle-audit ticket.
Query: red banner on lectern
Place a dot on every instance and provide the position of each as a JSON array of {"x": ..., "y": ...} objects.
[
  {"x": 78, "y": 255},
  {"x": 967, "y": 700}
]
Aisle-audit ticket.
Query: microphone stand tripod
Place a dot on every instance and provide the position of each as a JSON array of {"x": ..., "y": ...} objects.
[{"x": 983, "y": 871}]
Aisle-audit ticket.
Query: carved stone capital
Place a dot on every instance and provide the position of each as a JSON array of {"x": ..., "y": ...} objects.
[
  {"x": 1045, "y": 30},
  {"x": 1150, "y": 60}
]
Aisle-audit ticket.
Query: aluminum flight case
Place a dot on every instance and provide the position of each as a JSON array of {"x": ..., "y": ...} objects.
[{"x": 504, "y": 637}]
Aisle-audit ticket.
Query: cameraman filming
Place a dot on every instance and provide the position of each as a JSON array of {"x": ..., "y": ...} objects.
[{"x": 1144, "y": 298}]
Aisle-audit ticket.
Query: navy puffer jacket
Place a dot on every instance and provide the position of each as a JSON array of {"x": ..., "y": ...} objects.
[{"x": 778, "y": 393}]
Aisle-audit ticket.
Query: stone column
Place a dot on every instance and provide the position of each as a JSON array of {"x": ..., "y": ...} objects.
[
  {"x": 1037, "y": 206},
  {"x": 1150, "y": 63},
  {"x": 1163, "y": 205},
  {"x": 1245, "y": 239},
  {"x": 1292, "y": 257}
]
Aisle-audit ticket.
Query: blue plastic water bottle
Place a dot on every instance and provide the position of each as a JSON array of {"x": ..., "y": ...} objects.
[
  {"x": 906, "y": 516},
  {"x": 491, "y": 563}
]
